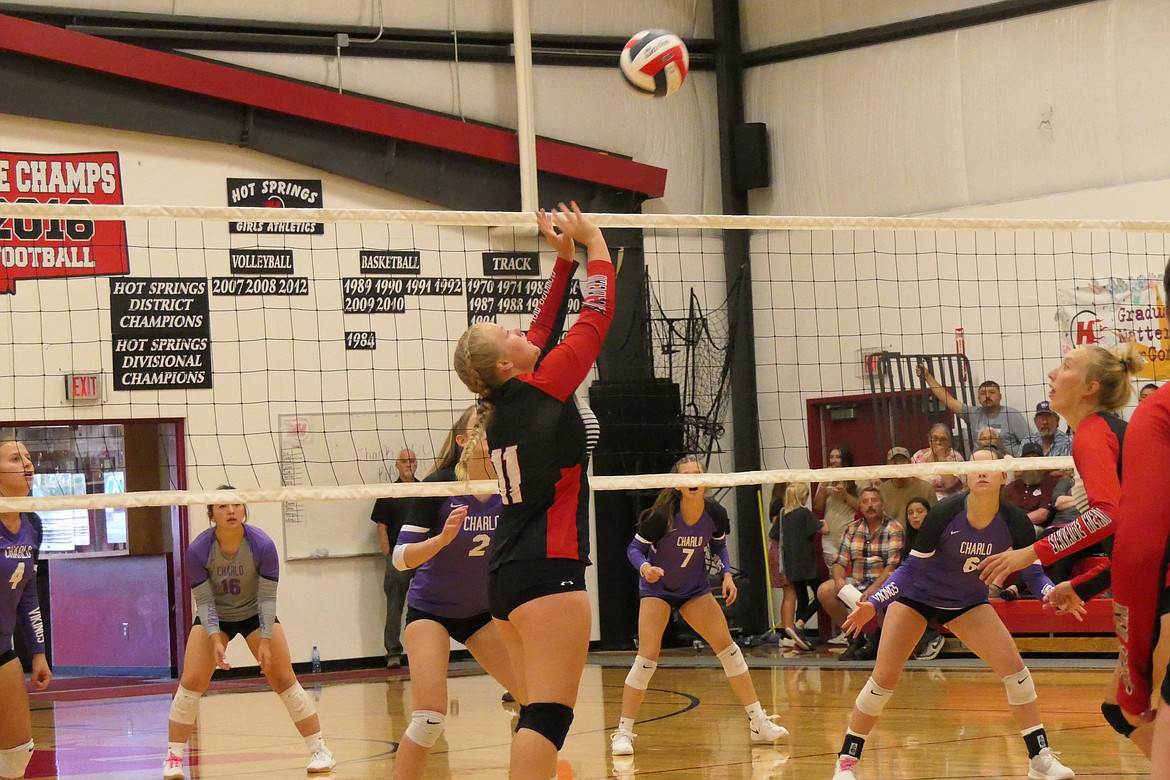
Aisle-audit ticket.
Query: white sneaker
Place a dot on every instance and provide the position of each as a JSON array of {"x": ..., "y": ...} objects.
[
  {"x": 843, "y": 770},
  {"x": 840, "y": 639},
  {"x": 621, "y": 743},
  {"x": 1045, "y": 766},
  {"x": 787, "y": 644},
  {"x": 321, "y": 761},
  {"x": 172, "y": 767},
  {"x": 766, "y": 729}
]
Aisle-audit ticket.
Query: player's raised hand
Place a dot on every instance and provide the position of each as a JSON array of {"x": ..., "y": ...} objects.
[
  {"x": 453, "y": 524},
  {"x": 560, "y": 241},
  {"x": 573, "y": 223}
]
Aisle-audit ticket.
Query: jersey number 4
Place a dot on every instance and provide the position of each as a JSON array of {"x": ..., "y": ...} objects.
[
  {"x": 507, "y": 464},
  {"x": 17, "y": 575}
]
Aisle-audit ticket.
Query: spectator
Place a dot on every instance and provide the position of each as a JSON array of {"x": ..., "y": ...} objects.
[
  {"x": 989, "y": 438},
  {"x": 898, "y": 491},
  {"x": 798, "y": 528},
  {"x": 939, "y": 450},
  {"x": 990, "y": 413},
  {"x": 871, "y": 549},
  {"x": 389, "y": 514},
  {"x": 1146, "y": 391},
  {"x": 1033, "y": 490},
  {"x": 1064, "y": 511},
  {"x": 1054, "y": 443},
  {"x": 837, "y": 502}
]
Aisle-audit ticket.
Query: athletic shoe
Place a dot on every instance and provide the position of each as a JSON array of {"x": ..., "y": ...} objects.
[
  {"x": 840, "y": 639},
  {"x": 1045, "y": 766},
  {"x": 765, "y": 729},
  {"x": 786, "y": 644},
  {"x": 507, "y": 698},
  {"x": 321, "y": 761},
  {"x": 844, "y": 768},
  {"x": 797, "y": 639},
  {"x": 172, "y": 767},
  {"x": 621, "y": 743},
  {"x": 930, "y": 649}
]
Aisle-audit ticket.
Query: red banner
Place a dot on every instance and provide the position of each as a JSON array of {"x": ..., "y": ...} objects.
[{"x": 54, "y": 248}]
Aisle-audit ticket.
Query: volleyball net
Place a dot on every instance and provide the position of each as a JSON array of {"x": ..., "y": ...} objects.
[{"x": 294, "y": 355}]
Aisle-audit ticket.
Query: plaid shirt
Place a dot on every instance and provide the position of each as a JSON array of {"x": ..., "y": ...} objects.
[{"x": 864, "y": 555}]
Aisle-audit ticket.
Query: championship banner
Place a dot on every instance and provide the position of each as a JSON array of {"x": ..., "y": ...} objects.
[
  {"x": 276, "y": 194},
  {"x": 1109, "y": 311},
  {"x": 54, "y": 248}
]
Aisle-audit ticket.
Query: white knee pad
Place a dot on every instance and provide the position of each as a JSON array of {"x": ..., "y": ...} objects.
[
  {"x": 873, "y": 698},
  {"x": 426, "y": 726},
  {"x": 14, "y": 760},
  {"x": 185, "y": 706},
  {"x": 641, "y": 672},
  {"x": 1020, "y": 688},
  {"x": 733, "y": 661},
  {"x": 298, "y": 703}
]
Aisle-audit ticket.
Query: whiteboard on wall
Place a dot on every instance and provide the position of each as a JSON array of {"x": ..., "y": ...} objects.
[{"x": 332, "y": 449}]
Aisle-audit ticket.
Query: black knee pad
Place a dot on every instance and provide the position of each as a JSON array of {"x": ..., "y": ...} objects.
[
  {"x": 548, "y": 719},
  {"x": 1116, "y": 719}
]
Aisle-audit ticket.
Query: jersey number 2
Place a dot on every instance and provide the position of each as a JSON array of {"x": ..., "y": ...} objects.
[
  {"x": 482, "y": 541},
  {"x": 507, "y": 464},
  {"x": 17, "y": 575}
]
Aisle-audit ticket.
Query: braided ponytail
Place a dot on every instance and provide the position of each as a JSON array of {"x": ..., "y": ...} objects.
[{"x": 474, "y": 437}]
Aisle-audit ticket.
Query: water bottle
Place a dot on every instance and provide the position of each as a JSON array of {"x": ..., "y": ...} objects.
[{"x": 316, "y": 659}]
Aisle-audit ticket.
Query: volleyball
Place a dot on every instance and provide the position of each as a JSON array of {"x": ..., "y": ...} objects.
[{"x": 655, "y": 63}]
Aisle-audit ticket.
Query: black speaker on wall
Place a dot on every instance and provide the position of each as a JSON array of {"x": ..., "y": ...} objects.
[{"x": 751, "y": 161}]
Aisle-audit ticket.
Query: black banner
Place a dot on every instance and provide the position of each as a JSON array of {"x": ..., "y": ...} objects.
[
  {"x": 401, "y": 261},
  {"x": 276, "y": 194},
  {"x": 261, "y": 261},
  {"x": 161, "y": 332},
  {"x": 511, "y": 264}
]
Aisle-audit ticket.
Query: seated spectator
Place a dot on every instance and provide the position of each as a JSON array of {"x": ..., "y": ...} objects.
[
  {"x": 990, "y": 413},
  {"x": 940, "y": 450},
  {"x": 1065, "y": 510},
  {"x": 990, "y": 438},
  {"x": 1146, "y": 391},
  {"x": 871, "y": 548},
  {"x": 1032, "y": 491},
  {"x": 1054, "y": 443},
  {"x": 897, "y": 491}
]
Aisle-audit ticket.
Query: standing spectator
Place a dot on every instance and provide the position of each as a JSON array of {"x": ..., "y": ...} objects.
[
  {"x": 1054, "y": 443},
  {"x": 990, "y": 413},
  {"x": 797, "y": 529},
  {"x": 898, "y": 491},
  {"x": 670, "y": 551},
  {"x": 939, "y": 450},
  {"x": 871, "y": 549},
  {"x": 19, "y": 611},
  {"x": 837, "y": 502},
  {"x": 389, "y": 514},
  {"x": 1033, "y": 490}
]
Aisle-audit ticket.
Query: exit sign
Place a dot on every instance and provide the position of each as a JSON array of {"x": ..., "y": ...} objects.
[{"x": 83, "y": 387}]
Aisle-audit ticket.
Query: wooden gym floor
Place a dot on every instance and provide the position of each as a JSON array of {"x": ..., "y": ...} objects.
[{"x": 948, "y": 719}]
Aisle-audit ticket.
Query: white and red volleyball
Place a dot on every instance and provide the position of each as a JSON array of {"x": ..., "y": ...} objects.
[{"x": 655, "y": 63}]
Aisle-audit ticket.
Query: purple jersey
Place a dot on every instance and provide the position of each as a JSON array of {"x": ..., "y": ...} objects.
[
  {"x": 680, "y": 550},
  {"x": 453, "y": 583},
  {"x": 236, "y": 581},
  {"x": 19, "y": 604},
  {"x": 942, "y": 569}
]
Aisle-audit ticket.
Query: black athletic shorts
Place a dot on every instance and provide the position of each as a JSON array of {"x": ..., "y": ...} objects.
[
  {"x": 519, "y": 582},
  {"x": 230, "y": 628},
  {"x": 460, "y": 629},
  {"x": 940, "y": 614},
  {"x": 6, "y": 656}
]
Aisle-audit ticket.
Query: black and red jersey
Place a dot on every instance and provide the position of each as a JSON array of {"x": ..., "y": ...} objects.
[
  {"x": 536, "y": 435},
  {"x": 1140, "y": 546},
  {"x": 1097, "y": 454}
]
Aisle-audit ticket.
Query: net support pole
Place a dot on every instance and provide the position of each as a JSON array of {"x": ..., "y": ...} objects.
[{"x": 525, "y": 121}]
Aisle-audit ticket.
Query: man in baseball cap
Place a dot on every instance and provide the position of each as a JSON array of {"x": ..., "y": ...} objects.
[
  {"x": 897, "y": 491},
  {"x": 1054, "y": 443}
]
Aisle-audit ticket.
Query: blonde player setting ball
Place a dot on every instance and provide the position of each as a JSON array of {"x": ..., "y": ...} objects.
[{"x": 233, "y": 569}]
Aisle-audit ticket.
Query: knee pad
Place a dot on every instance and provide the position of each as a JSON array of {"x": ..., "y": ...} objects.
[
  {"x": 641, "y": 672},
  {"x": 1115, "y": 718},
  {"x": 873, "y": 698},
  {"x": 426, "y": 726},
  {"x": 548, "y": 719},
  {"x": 14, "y": 760},
  {"x": 298, "y": 703},
  {"x": 732, "y": 659},
  {"x": 185, "y": 706},
  {"x": 1020, "y": 688}
]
